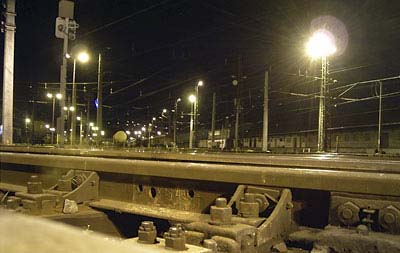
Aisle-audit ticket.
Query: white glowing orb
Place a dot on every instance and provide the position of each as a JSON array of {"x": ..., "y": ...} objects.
[
  {"x": 321, "y": 44},
  {"x": 83, "y": 57},
  {"x": 192, "y": 98}
]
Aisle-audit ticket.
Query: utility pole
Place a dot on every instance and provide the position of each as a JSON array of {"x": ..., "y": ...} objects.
[
  {"x": 63, "y": 86},
  {"x": 322, "y": 107},
  {"x": 80, "y": 130},
  {"x": 237, "y": 103},
  {"x": 64, "y": 23},
  {"x": 8, "y": 73},
  {"x": 192, "y": 107},
  {"x": 89, "y": 99},
  {"x": 73, "y": 112},
  {"x": 380, "y": 119},
  {"x": 213, "y": 120},
  {"x": 265, "y": 115},
  {"x": 99, "y": 101},
  {"x": 175, "y": 119}
]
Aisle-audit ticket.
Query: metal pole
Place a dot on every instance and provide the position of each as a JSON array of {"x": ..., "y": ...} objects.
[
  {"x": 80, "y": 130},
  {"x": 236, "y": 143},
  {"x": 321, "y": 116},
  {"x": 237, "y": 104},
  {"x": 195, "y": 116},
  {"x": 8, "y": 73},
  {"x": 265, "y": 115},
  {"x": 63, "y": 85},
  {"x": 52, "y": 118},
  {"x": 73, "y": 112},
  {"x": 191, "y": 126},
  {"x": 380, "y": 119},
  {"x": 88, "y": 115},
  {"x": 175, "y": 119},
  {"x": 149, "y": 136},
  {"x": 213, "y": 120},
  {"x": 99, "y": 100}
]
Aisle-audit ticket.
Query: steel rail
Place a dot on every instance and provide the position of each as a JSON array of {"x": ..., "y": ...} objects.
[
  {"x": 320, "y": 161},
  {"x": 361, "y": 181}
]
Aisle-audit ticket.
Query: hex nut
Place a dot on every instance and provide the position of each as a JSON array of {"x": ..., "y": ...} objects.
[
  {"x": 248, "y": 206},
  {"x": 147, "y": 232},
  {"x": 175, "y": 239},
  {"x": 34, "y": 186},
  {"x": 389, "y": 218},
  {"x": 348, "y": 213},
  {"x": 210, "y": 244},
  {"x": 220, "y": 214},
  {"x": 13, "y": 202}
]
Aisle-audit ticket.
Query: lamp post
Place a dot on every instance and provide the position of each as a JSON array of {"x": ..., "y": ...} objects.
[
  {"x": 82, "y": 57},
  {"x": 192, "y": 100},
  {"x": 196, "y": 108},
  {"x": 53, "y": 97},
  {"x": 175, "y": 118},
  {"x": 80, "y": 119},
  {"x": 27, "y": 122},
  {"x": 321, "y": 45}
]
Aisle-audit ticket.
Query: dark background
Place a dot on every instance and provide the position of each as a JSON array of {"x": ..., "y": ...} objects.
[{"x": 155, "y": 51}]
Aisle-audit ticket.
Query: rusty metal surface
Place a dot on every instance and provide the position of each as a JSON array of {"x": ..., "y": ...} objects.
[{"x": 383, "y": 181}]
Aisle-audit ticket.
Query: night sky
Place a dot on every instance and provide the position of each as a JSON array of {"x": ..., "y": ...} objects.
[{"x": 156, "y": 51}]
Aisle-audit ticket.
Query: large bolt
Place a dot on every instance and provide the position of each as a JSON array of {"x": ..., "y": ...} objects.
[
  {"x": 248, "y": 206},
  {"x": 175, "y": 238},
  {"x": 147, "y": 232},
  {"x": 362, "y": 229},
  {"x": 13, "y": 202},
  {"x": 34, "y": 185},
  {"x": 220, "y": 202},
  {"x": 389, "y": 218},
  {"x": 210, "y": 244},
  {"x": 220, "y": 214},
  {"x": 348, "y": 213}
]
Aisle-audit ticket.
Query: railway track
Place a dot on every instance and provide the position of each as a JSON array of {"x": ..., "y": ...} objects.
[{"x": 221, "y": 202}]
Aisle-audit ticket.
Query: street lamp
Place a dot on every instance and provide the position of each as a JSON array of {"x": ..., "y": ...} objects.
[
  {"x": 53, "y": 97},
  {"x": 196, "y": 108},
  {"x": 27, "y": 122},
  {"x": 80, "y": 119},
  {"x": 192, "y": 100},
  {"x": 82, "y": 57},
  {"x": 321, "y": 45},
  {"x": 175, "y": 118}
]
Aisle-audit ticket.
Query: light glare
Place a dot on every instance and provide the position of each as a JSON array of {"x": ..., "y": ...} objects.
[
  {"x": 83, "y": 57},
  {"x": 321, "y": 44},
  {"x": 192, "y": 98}
]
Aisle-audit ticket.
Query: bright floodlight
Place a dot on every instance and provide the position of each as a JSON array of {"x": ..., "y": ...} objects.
[
  {"x": 179, "y": 100},
  {"x": 47, "y": 126},
  {"x": 58, "y": 96},
  {"x": 27, "y": 120},
  {"x": 321, "y": 44},
  {"x": 49, "y": 95},
  {"x": 192, "y": 98},
  {"x": 200, "y": 83},
  {"x": 71, "y": 108},
  {"x": 83, "y": 57},
  {"x": 164, "y": 110}
]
